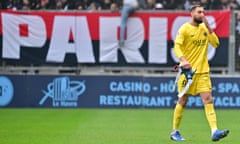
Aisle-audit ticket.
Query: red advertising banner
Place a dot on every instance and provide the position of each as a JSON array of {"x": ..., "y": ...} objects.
[{"x": 48, "y": 37}]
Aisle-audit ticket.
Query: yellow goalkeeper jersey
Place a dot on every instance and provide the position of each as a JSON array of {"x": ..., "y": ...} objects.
[{"x": 192, "y": 43}]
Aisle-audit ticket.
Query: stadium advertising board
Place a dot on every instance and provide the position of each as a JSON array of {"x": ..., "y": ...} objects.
[
  {"x": 67, "y": 38},
  {"x": 106, "y": 92}
]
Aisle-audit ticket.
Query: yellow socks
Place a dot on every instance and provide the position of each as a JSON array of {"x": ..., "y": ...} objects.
[
  {"x": 177, "y": 116},
  {"x": 211, "y": 116}
]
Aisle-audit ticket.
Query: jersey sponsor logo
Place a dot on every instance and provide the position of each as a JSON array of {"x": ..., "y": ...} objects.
[{"x": 202, "y": 42}]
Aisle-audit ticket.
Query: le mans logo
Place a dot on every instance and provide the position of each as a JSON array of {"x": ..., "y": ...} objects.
[{"x": 63, "y": 92}]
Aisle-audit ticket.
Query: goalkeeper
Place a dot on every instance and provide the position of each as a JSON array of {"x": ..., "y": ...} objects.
[{"x": 191, "y": 47}]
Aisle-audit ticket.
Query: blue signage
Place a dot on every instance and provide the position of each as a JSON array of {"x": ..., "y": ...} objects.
[
  {"x": 107, "y": 92},
  {"x": 6, "y": 91}
]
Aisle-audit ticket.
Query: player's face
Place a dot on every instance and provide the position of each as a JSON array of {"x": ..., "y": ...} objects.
[{"x": 198, "y": 15}]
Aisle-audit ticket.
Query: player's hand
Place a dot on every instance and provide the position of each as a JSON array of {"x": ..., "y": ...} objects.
[
  {"x": 185, "y": 63},
  {"x": 205, "y": 21}
]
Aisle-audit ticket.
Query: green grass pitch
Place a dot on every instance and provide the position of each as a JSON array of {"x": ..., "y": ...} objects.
[{"x": 110, "y": 126}]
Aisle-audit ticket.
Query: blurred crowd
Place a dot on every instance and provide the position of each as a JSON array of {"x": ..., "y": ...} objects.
[{"x": 115, "y": 5}]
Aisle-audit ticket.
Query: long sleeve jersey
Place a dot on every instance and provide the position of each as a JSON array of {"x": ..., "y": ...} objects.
[{"x": 192, "y": 43}]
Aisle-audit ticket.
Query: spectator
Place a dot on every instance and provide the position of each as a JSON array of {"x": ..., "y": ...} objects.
[
  {"x": 13, "y": 4},
  {"x": 189, "y": 3},
  {"x": 43, "y": 5},
  {"x": 84, "y": 3},
  {"x": 173, "y": 4},
  {"x": 97, "y": 5},
  {"x": 79, "y": 6},
  {"x": 59, "y": 5},
  {"x": 129, "y": 6},
  {"x": 142, "y": 4},
  {"x": 238, "y": 33},
  {"x": 114, "y": 7},
  {"x": 2, "y": 5},
  {"x": 206, "y": 4},
  {"x": 34, "y": 3},
  {"x": 225, "y": 5},
  {"x": 106, "y": 4},
  {"x": 159, "y": 6},
  {"x": 25, "y": 5},
  {"x": 234, "y": 5},
  {"x": 94, "y": 7},
  {"x": 150, "y": 5},
  {"x": 66, "y": 4}
]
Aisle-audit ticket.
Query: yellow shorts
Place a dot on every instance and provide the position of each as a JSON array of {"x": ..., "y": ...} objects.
[{"x": 201, "y": 83}]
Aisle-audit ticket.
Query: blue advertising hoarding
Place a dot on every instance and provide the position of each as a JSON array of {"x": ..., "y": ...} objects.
[{"x": 106, "y": 92}]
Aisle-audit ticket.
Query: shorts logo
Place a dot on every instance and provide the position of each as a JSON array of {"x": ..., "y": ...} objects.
[
  {"x": 184, "y": 82},
  {"x": 6, "y": 91},
  {"x": 63, "y": 92}
]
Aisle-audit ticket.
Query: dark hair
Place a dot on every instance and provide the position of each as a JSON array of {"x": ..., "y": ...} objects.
[{"x": 195, "y": 6}]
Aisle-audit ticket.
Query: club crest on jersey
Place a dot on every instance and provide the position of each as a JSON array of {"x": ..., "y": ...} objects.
[{"x": 205, "y": 33}]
